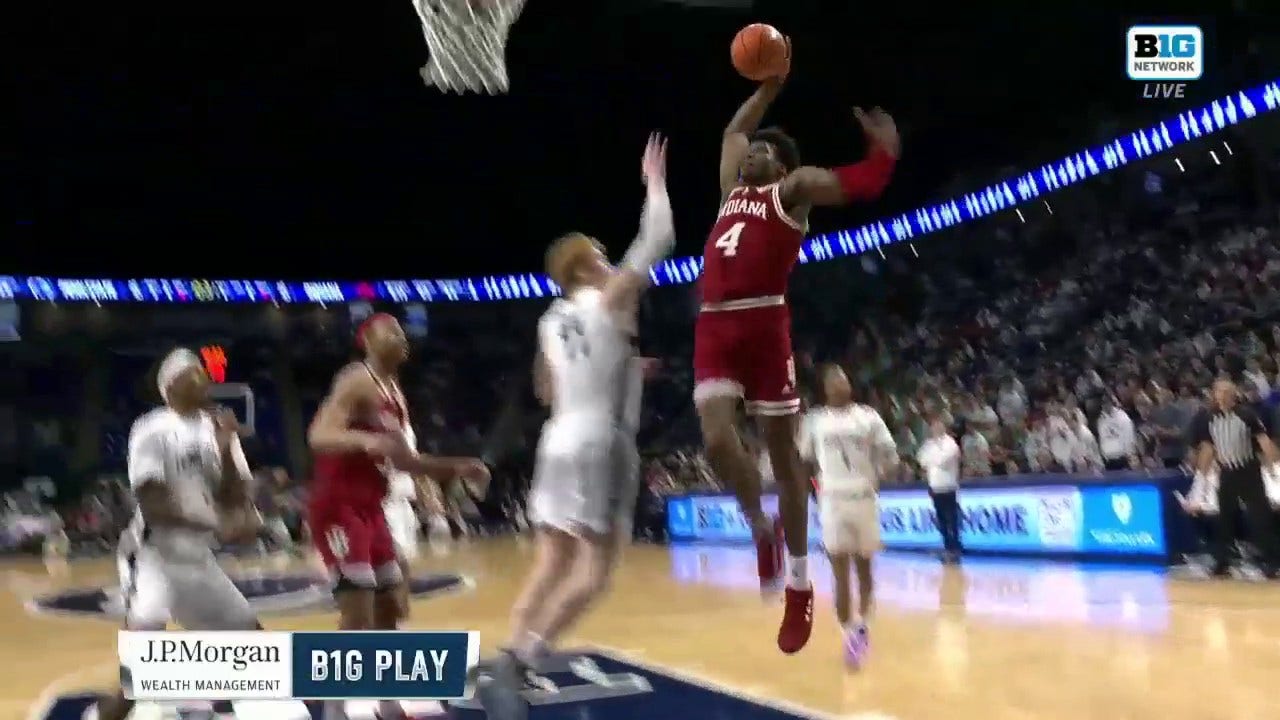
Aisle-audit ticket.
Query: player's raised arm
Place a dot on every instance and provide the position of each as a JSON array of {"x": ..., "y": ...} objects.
[
  {"x": 233, "y": 488},
  {"x": 865, "y": 180},
  {"x": 330, "y": 430},
  {"x": 657, "y": 234},
  {"x": 737, "y": 134}
]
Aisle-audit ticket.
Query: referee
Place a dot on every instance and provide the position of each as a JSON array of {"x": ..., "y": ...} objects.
[{"x": 1233, "y": 434}]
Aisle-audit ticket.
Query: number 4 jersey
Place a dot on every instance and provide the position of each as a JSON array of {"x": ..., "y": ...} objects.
[
  {"x": 742, "y": 341},
  {"x": 752, "y": 247}
]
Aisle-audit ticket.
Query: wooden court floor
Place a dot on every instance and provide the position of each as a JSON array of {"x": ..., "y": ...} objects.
[{"x": 991, "y": 640}]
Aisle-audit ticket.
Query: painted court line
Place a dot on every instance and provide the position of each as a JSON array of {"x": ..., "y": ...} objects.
[
  {"x": 713, "y": 684},
  {"x": 51, "y": 692}
]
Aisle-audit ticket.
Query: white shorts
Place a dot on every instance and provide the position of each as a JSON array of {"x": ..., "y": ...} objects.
[
  {"x": 586, "y": 483},
  {"x": 195, "y": 593},
  {"x": 850, "y": 523},
  {"x": 402, "y": 521}
]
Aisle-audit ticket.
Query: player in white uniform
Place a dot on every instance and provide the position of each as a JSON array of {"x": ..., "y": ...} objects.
[
  {"x": 586, "y": 477},
  {"x": 402, "y": 519},
  {"x": 191, "y": 483},
  {"x": 851, "y": 449}
]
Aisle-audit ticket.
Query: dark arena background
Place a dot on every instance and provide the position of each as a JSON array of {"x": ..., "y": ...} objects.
[{"x": 1063, "y": 250}]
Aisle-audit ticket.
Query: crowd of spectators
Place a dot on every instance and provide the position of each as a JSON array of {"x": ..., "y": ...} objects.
[{"x": 1080, "y": 341}]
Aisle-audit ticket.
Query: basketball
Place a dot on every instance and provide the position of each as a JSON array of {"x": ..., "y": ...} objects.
[{"x": 760, "y": 52}]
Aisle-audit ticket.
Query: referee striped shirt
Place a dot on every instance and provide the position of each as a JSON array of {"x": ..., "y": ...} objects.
[{"x": 1233, "y": 434}]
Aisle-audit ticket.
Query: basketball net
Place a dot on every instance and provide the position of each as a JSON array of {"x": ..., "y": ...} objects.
[{"x": 467, "y": 41}]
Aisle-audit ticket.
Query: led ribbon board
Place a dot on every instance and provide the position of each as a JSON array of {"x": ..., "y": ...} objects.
[{"x": 1004, "y": 195}]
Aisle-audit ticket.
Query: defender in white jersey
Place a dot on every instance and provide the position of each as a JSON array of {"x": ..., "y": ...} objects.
[
  {"x": 191, "y": 483},
  {"x": 402, "y": 519},
  {"x": 850, "y": 447},
  {"x": 587, "y": 471}
]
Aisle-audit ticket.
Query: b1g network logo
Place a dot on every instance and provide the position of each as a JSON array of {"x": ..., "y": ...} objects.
[{"x": 1164, "y": 58}]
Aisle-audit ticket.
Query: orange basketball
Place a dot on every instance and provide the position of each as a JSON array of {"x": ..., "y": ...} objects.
[{"x": 760, "y": 52}]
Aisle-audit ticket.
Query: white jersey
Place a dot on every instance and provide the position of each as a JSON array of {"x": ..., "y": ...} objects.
[
  {"x": 590, "y": 354},
  {"x": 400, "y": 485},
  {"x": 850, "y": 446},
  {"x": 181, "y": 452}
]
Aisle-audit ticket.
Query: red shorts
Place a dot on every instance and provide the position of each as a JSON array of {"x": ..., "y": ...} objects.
[
  {"x": 354, "y": 542},
  {"x": 746, "y": 354}
]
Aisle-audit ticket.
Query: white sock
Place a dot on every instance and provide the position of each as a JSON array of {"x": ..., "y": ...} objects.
[
  {"x": 390, "y": 710},
  {"x": 798, "y": 573},
  {"x": 854, "y": 625}
]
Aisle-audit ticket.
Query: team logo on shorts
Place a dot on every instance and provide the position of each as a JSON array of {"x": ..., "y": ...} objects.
[{"x": 268, "y": 594}]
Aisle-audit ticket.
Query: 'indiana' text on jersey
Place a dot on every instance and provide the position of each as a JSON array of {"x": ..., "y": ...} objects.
[
  {"x": 752, "y": 248},
  {"x": 744, "y": 206}
]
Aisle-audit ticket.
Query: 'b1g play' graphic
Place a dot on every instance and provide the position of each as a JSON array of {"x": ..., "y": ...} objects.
[{"x": 581, "y": 685}]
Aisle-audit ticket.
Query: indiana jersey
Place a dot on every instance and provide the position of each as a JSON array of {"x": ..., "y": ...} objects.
[
  {"x": 356, "y": 477},
  {"x": 752, "y": 248},
  {"x": 592, "y": 360},
  {"x": 850, "y": 446}
]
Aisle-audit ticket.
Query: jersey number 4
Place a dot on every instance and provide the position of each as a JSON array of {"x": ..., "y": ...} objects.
[{"x": 728, "y": 242}]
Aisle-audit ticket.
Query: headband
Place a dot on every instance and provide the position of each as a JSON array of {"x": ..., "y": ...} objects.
[
  {"x": 368, "y": 324},
  {"x": 173, "y": 365}
]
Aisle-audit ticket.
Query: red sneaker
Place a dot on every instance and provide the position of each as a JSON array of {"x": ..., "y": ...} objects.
[
  {"x": 797, "y": 621},
  {"x": 770, "y": 561}
]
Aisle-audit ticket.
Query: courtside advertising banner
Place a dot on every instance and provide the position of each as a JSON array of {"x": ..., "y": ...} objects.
[
  {"x": 391, "y": 665},
  {"x": 1103, "y": 519}
]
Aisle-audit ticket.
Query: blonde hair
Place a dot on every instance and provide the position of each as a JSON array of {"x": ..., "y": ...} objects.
[{"x": 567, "y": 253}]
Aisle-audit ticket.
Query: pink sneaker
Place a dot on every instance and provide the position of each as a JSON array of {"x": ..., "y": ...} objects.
[{"x": 856, "y": 646}]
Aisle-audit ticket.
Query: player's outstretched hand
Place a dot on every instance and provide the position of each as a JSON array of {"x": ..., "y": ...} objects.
[
  {"x": 781, "y": 78},
  {"x": 225, "y": 426},
  {"x": 880, "y": 129},
  {"x": 475, "y": 473},
  {"x": 473, "y": 469},
  {"x": 653, "y": 166}
]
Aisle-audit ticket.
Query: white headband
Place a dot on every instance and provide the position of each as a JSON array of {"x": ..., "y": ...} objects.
[{"x": 174, "y": 364}]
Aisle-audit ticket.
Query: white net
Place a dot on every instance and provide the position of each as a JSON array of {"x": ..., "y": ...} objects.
[{"x": 467, "y": 41}]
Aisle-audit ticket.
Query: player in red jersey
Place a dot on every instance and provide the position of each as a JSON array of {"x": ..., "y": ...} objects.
[
  {"x": 742, "y": 342},
  {"x": 358, "y": 435}
]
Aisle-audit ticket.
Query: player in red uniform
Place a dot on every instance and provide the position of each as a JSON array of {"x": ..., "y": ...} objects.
[
  {"x": 742, "y": 343},
  {"x": 357, "y": 432}
]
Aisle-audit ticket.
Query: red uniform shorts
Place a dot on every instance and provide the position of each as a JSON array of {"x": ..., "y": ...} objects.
[
  {"x": 354, "y": 542},
  {"x": 746, "y": 354}
]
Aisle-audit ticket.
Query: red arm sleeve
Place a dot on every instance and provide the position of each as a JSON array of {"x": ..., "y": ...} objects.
[{"x": 867, "y": 179}]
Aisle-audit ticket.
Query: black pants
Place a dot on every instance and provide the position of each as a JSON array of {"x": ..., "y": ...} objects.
[
  {"x": 947, "y": 508},
  {"x": 1244, "y": 488},
  {"x": 1121, "y": 463}
]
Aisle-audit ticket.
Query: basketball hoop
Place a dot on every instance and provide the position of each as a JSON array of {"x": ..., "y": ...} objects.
[{"x": 467, "y": 41}]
